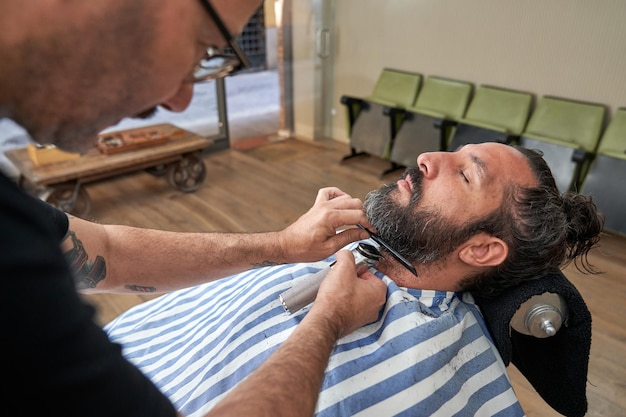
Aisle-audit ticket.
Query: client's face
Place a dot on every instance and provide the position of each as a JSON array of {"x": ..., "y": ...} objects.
[
  {"x": 446, "y": 199},
  {"x": 419, "y": 234}
]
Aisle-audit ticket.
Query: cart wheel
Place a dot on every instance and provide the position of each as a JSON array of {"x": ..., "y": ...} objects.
[
  {"x": 60, "y": 196},
  {"x": 188, "y": 174},
  {"x": 157, "y": 171}
]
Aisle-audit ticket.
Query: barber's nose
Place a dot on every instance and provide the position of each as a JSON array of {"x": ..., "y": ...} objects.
[{"x": 179, "y": 101}]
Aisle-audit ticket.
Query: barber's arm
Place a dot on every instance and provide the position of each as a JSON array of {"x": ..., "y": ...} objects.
[
  {"x": 288, "y": 383},
  {"x": 114, "y": 258}
]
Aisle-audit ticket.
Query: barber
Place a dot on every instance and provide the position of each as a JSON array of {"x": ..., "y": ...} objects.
[{"x": 69, "y": 69}]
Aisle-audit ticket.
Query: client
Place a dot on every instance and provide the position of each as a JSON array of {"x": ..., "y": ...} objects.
[{"x": 480, "y": 219}]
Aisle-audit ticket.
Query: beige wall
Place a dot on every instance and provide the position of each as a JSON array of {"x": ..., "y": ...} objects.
[{"x": 569, "y": 48}]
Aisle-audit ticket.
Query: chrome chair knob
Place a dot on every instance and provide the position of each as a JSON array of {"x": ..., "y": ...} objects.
[{"x": 540, "y": 316}]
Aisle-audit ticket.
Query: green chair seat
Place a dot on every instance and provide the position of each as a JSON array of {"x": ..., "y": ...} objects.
[
  {"x": 567, "y": 121},
  {"x": 605, "y": 180},
  {"x": 614, "y": 138},
  {"x": 496, "y": 106},
  {"x": 554, "y": 141},
  {"x": 396, "y": 88},
  {"x": 494, "y": 115},
  {"x": 429, "y": 122},
  {"x": 439, "y": 95},
  {"x": 428, "y": 112},
  {"x": 373, "y": 120},
  {"x": 484, "y": 125},
  {"x": 556, "y": 127}
]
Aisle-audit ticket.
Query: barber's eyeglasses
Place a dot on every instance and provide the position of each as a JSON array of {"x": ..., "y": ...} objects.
[{"x": 216, "y": 63}]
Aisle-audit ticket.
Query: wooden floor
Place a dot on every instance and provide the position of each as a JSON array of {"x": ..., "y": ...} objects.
[{"x": 267, "y": 187}]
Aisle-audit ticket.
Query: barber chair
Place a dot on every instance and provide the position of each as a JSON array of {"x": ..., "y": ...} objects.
[
  {"x": 428, "y": 124},
  {"x": 604, "y": 180},
  {"x": 494, "y": 115},
  {"x": 543, "y": 327},
  {"x": 374, "y": 120},
  {"x": 567, "y": 132}
]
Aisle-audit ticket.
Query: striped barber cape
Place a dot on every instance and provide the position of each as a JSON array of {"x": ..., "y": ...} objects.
[{"x": 428, "y": 354}]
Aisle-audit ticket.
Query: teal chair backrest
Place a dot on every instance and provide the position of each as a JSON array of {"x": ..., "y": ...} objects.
[
  {"x": 500, "y": 107},
  {"x": 613, "y": 142},
  {"x": 567, "y": 121},
  {"x": 447, "y": 97},
  {"x": 396, "y": 88}
]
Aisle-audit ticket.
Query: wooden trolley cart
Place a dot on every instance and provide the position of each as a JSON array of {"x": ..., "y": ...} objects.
[{"x": 177, "y": 155}]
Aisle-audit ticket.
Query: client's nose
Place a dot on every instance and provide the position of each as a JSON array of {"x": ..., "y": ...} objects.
[{"x": 426, "y": 165}]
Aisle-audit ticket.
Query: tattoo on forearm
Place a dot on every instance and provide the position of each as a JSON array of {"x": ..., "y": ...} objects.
[
  {"x": 264, "y": 264},
  {"x": 139, "y": 288},
  {"x": 86, "y": 274}
]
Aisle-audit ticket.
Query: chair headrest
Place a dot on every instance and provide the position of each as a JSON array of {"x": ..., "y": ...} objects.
[{"x": 548, "y": 362}]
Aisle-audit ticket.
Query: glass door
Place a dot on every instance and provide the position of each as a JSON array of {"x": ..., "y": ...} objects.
[
  {"x": 323, "y": 67},
  {"x": 307, "y": 39}
]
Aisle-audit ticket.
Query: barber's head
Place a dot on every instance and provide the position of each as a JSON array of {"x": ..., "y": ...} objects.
[
  {"x": 492, "y": 208},
  {"x": 87, "y": 65}
]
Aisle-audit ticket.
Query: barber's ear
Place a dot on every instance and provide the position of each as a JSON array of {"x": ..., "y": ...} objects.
[{"x": 484, "y": 250}]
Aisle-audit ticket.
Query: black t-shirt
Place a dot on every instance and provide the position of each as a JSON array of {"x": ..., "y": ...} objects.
[{"x": 55, "y": 358}]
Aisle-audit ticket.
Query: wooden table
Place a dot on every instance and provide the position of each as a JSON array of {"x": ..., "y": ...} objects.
[{"x": 60, "y": 184}]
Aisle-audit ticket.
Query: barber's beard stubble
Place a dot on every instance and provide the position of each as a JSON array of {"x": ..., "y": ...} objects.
[
  {"x": 146, "y": 114},
  {"x": 420, "y": 234}
]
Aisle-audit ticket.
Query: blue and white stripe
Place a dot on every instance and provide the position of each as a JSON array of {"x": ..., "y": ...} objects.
[{"x": 428, "y": 354}]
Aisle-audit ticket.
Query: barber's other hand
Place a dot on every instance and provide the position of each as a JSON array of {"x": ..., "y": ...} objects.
[
  {"x": 314, "y": 235},
  {"x": 346, "y": 301}
]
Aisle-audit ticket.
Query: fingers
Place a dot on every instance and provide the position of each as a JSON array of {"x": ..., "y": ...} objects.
[
  {"x": 341, "y": 209},
  {"x": 348, "y": 236},
  {"x": 328, "y": 193},
  {"x": 314, "y": 235},
  {"x": 347, "y": 301},
  {"x": 334, "y": 198},
  {"x": 345, "y": 257},
  {"x": 340, "y": 202}
]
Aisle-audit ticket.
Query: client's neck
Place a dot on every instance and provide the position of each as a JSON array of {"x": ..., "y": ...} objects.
[{"x": 443, "y": 275}]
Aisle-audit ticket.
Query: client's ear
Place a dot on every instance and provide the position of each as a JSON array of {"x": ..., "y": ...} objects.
[{"x": 484, "y": 250}]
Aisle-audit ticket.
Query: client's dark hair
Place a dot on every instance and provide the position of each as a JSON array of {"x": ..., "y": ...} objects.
[{"x": 544, "y": 229}]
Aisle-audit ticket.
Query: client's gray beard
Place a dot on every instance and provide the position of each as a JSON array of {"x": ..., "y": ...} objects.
[{"x": 420, "y": 235}]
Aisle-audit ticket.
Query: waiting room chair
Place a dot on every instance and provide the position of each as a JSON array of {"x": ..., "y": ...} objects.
[
  {"x": 494, "y": 115},
  {"x": 373, "y": 120},
  {"x": 428, "y": 124},
  {"x": 567, "y": 132},
  {"x": 604, "y": 180}
]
